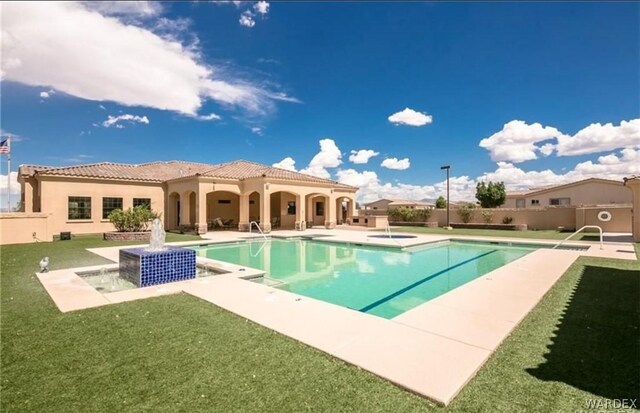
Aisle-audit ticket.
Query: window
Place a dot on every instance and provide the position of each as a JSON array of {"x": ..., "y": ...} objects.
[
  {"x": 224, "y": 201},
  {"x": 319, "y": 208},
  {"x": 375, "y": 207},
  {"x": 535, "y": 202},
  {"x": 109, "y": 204},
  {"x": 79, "y": 207},
  {"x": 291, "y": 208},
  {"x": 251, "y": 202},
  {"x": 146, "y": 202},
  {"x": 560, "y": 201},
  {"x": 519, "y": 203}
]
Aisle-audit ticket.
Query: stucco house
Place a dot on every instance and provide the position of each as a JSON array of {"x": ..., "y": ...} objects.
[
  {"x": 187, "y": 194},
  {"x": 591, "y": 191}
]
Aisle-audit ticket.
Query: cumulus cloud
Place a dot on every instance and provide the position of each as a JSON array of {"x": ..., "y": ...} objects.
[
  {"x": 79, "y": 51},
  {"x": 15, "y": 186},
  {"x": 261, "y": 7},
  {"x": 287, "y": 163},
  {"x": 328, "y": 157},
  {"x": 600, "y": 138},
  {"x": 126, "y": 118},
  {"x": 246, "y": 19},
  {"x": 46, "y": 94},
  {"x": 371, "y": 188},
  {"x": 410, "y": 117},
  {"x": 362, "y": 156},
  {"x": 516, "y": 142},
  {"x": 395, "y": 163}
]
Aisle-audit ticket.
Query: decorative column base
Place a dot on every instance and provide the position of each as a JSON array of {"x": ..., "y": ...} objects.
[
  {"x": 266, "y": 227},
  {"x": 201, "y": 228},
  {"x": 301, "y": 225},
  {"x": 329, "y": 224},
  {"x": 243, "y": 227}
]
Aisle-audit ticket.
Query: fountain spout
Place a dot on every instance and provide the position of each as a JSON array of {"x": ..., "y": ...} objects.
[{"x": 157, "y": 236}]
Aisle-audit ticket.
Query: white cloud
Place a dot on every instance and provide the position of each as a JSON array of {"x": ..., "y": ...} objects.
[
  {"x": 15, "y": 186},
  {"x": 8, "y": 135},
  {"x": 362, "y": 156},
  {"x": 328, "y": 157},
  {"x": 395, "y": 163},
  {"x": 600, "y": 138},
  {"x": 287, "y": 163},
  {"x": 516, "y": 141},
  {"x": 371, "y": 188},
  {"x": 246, "y": 19},
  {"x": 125, "y": 8},
  {"x": 410, "y": 117},
  {"x": 41, "y": 47},
  {"x": 261, "y": 7},
  {"x": 116, "y": 120},
  {"x": 257, "y": 130},
  {"x": 47, "y": 94},
  {"x": 210, "y": 116}
]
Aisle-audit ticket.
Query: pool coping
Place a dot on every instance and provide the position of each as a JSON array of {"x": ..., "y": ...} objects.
[{"x": 444, "y": 341}]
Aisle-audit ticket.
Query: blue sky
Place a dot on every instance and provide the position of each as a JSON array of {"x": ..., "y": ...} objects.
[{"x": 529, "y": 94}]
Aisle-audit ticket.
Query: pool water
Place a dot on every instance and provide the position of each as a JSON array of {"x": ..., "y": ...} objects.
[{"x": 377, "y": 280}]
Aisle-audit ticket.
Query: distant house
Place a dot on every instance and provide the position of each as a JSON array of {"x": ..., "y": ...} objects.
[
  {"x": 592, "y": 191},
  {"x": 386, "y": 204}
]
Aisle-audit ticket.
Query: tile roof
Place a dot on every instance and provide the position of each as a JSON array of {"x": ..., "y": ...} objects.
[{"x": 165, "y": 171}]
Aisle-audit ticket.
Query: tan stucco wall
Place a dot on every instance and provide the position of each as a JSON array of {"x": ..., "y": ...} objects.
[
  {"x": 21, "y": 228},
  {"x": 549, "y": 218},
  {"x": 55, "y": 193},
  {"x": 588, "y": 193}
]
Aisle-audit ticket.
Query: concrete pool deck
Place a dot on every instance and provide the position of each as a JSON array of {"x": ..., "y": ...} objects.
[{"x": 433, "y": 349}]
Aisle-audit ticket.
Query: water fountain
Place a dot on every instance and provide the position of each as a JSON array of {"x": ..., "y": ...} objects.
[{"x": 158, "y": 263}]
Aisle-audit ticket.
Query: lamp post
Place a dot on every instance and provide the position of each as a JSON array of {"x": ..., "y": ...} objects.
[{"x": 447, "y": 167}]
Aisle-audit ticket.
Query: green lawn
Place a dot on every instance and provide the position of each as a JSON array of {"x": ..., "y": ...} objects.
[
  {"x": 178, "y": 353},
  {"x": 541, "y": 234}
]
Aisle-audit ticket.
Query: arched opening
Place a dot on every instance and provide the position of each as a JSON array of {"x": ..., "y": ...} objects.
[
  {"x": 254, "y": 207},
  {"x": 317, "y": 210},
  {"x": 285, "y": 210},
  {"x": 344, "y": 210},
  {"x": 188, "y": 210},
  {"x": 223, "y": 210},
  {"x": 173, "y": 211}
]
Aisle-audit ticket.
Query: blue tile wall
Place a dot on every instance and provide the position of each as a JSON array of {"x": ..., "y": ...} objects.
[{"x": 145, "y": 268}]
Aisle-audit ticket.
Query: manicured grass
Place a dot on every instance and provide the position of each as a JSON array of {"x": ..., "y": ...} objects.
[
  {"x": 178, "y": 353},
  {"x": 541, "y": 234}
]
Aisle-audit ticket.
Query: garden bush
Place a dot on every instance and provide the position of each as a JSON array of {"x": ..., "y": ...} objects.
[{"x": 135, "y": 219}]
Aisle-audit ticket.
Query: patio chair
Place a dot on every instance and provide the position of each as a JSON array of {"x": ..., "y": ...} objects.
[
  {"x": 227, "y": 224},
  {"x": 275, "y": 222}
]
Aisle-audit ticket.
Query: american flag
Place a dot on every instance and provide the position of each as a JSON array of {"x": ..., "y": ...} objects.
[{"x": 4, "y": 146}]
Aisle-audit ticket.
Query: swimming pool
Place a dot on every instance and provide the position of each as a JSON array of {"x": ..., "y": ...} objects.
[{"x": 377, "y": 280}]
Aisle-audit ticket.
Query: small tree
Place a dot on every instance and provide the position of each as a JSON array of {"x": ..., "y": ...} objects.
[
  {"x": 466, "y": 212},
  {"x": 135, "y": 219},
  {"x": 490, "y": 195},
  {"x": 423, "y": 214},
  {"x": 441, "y": 203},
  {"x": 487, "y": 216}
]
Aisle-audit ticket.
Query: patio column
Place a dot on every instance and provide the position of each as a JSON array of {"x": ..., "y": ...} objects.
[
  {"x": 633, "y": 184},
  {"x": 330, "y": 213},
  {"x": 301, "y": 224},
  {"x": 185, "y": 209},
  {"x": 310, "y": 209},
  {"x": 265, "y": 209},
  {"x": 27, "y": 193},
  {"x": 243, "y": 225},
  {"x": 201, "y": 212}
]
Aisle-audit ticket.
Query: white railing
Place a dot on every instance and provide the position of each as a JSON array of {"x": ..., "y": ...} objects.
[
  {"x": 570, "y": 236},
  {"x": 253, "y": 255},
  {"x": 387, "y": 229},
  {"x": 251, "y": 224}
]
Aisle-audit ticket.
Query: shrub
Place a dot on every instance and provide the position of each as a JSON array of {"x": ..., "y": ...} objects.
[
  {"x": 507, "y": 220},
  {"x": 487, "y": 216},
  {"x": 133, "y": 219},
  {"x": 405, "y": 214},
  {"x": 466, "y": 212},
  {"x": 423, "y": 214}
]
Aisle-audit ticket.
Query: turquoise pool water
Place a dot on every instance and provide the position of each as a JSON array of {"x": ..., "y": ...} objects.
[{"x": 382, "y": 281}]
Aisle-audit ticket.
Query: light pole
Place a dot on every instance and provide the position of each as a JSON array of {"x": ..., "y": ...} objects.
[{"x": 447, "y": 167}]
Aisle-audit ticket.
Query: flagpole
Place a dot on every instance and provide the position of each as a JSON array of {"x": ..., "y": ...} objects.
[{"x": 9, "y": 175}]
